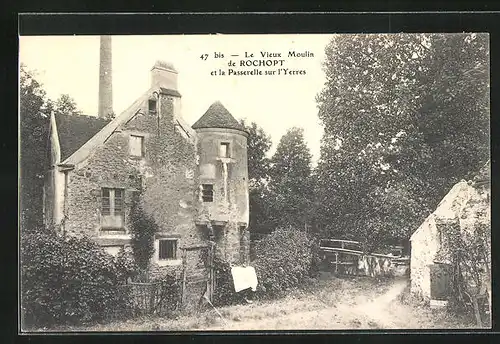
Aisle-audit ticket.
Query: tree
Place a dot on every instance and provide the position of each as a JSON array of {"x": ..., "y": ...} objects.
[
  {"x": 34, "y": 112},
  {"x": 258, "y": 146},
  {"x": 34, "y": 122},
  {"x": 405, "y": 117},
  {"x": 453, "y": 116},
  {"x": 290, "y": 185},
  {"x": 65, "y": 105}
]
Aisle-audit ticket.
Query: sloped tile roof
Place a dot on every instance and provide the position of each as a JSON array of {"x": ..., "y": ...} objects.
[
  {"x": 217, "y": 116},
  {"x": 169, "y": 92},
  {"x": 74, "y": 131}
]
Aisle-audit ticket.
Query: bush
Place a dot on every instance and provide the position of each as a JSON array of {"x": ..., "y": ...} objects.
[
  {"x": 69, "y": 280},
  {"x": 284, "y": 261},
  {"x": 224, "y": 293},
  {"x": 126, "y": 265},
  {"x": 170, "y": 292}
]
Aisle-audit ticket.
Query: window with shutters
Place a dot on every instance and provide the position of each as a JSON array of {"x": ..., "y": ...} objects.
[
  {"x": 136, "y": 146},
  {"x": 167, "y": 249},
  {"x": 207, "y": 192},
  {"x": 112, "y": 210}
]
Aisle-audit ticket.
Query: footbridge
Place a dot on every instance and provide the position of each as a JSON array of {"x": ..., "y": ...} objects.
[{"x": 348, "y": 258}]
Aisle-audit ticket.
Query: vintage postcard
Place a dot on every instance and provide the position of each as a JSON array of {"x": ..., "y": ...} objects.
[{"x": 254, "y": 182}]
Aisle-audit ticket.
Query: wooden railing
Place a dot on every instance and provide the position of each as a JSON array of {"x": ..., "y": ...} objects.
[
  {"x": 343, "y": 246},
  {"x": 347, "y": 255}
]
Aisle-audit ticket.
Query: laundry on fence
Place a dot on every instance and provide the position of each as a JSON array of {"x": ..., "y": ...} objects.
[{"x": 244, "y": 278}]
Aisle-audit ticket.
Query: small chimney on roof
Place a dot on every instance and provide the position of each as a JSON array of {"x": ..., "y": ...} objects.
[
  {"x": 105, "y": 78},
  {"x": 163, "y": 74}
]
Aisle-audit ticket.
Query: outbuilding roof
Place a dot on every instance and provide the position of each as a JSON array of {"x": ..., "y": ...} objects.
[
  {"x": 217, "y": 116},
  {"x": 75, "y": 130}
]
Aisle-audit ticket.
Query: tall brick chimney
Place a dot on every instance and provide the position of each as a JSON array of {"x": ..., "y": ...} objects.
[{"x": 105, "y": 78}]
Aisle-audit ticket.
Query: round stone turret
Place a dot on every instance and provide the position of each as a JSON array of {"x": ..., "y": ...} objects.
[{"x": 223, "y": 177}]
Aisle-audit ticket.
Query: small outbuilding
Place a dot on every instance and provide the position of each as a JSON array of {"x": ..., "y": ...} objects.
[{"x": 440, "y": 247}]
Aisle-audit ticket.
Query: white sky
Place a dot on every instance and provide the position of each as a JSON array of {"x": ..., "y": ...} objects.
[{"x": 70, "y": 65}]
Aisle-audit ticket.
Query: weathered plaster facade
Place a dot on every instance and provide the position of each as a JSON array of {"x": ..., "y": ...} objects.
[
  {"x": 175, "y": 161},
  {"x": 424, "y": 246},
  {"x": 466, "y": 204}
]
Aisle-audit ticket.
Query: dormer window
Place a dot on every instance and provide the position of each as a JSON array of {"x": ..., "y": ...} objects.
[
  {"x": 136, "y": 146},
  {"x": 152, "y": 106},
  {"x": 224, "y": 150}
]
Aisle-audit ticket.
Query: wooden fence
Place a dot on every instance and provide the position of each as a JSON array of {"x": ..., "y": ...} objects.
[
  {"x": 152, "y": 298},
  {"x": 196, "y": 281}
]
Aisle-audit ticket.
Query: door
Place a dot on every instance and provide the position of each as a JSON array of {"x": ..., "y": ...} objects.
[
  {"x": 197, "y": 262},
  {"x": 440, "y": 276}
]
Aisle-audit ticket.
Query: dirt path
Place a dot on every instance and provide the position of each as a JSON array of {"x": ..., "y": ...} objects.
[
  {"x": 364, "y": 310},
  {"x": 381, "y": 312},
  {"x": 369, "y": 306}
]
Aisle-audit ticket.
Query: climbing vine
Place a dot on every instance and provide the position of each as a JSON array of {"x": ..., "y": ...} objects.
[
  {"x": 469, "y": 251},
  {"x": 472, "y": 274},
  {"x": 143, "y": 229}
]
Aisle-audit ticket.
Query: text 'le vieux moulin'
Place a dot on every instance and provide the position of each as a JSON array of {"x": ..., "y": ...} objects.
[{"x": 264, "y": 55}]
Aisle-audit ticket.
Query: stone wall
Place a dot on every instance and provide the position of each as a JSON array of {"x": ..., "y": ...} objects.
[
  {"x": 108, "y": 166},
  {"x": 245, "y": 246},
  {"x": 165, "y": 177}
]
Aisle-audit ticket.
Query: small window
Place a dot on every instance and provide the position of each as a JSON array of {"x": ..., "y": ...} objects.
[
  {"x": 207, "y": 192},
  {"x": 136, "y": 145},
  {"x": 152, "y": 106},
  {"x": 112, "y": 210},
  {"x": 167, "y": 249},
  {"x": 224, "y": 150}
]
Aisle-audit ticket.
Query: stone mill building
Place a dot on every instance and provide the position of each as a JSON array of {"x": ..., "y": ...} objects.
[{"x": 192, "y": 180}]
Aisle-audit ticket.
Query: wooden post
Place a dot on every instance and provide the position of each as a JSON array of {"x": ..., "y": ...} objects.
[
  {"x": 151, "y": 288},
  {"x": 210, "y": 286},
  {"x": 183, "y": 297},
  {"x": 336, "y": 262}
]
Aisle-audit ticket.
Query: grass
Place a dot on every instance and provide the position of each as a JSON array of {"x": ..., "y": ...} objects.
[{"x": 328, "y": 303}]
